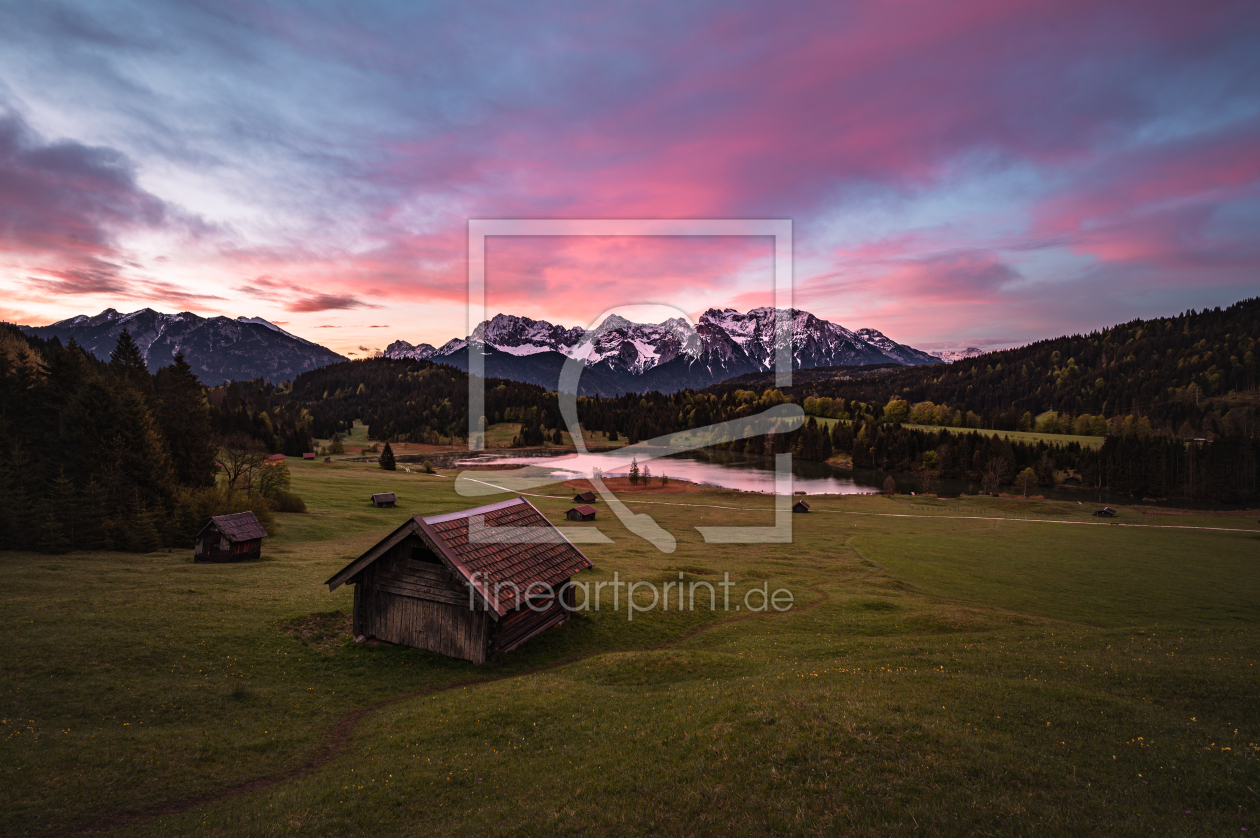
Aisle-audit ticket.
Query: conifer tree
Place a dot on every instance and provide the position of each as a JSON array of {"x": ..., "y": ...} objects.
[
  {"x": 63, "y": 510},
  {"x": 142, "y": 533},
  {"x": 387, "y": 459},
  {"x": 95, "y": 531},
  {"x": 126, "y": 362},
  {"x": 183, "y": 414}
]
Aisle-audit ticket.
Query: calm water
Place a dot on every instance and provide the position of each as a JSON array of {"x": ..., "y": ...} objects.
[
  {"x": 751, "y": 473},
  {"x": 730, "y": 471}
]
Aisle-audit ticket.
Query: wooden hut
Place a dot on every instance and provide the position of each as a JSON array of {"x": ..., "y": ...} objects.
[
  {"x": 1071, "y": 480},
  {"x": 581, "y": 513},
  {"x": 229, "y": 538},
  {"x": 309, "y": 455},
  {"x": 385, "y": 499},
  {"x": 274, "y": 460},
  {"x": 1105, "y": 512},
  {"x": 584, "y": 497},
  {"x": 800, "y": 506},
  {"x": 447, "y": 584}
]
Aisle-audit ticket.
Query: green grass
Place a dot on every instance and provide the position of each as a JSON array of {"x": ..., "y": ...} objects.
[
  {"x": 500, "y": 435},
  {"x": 1015, "y": 436},
  {"x": 969, "y": 668}
]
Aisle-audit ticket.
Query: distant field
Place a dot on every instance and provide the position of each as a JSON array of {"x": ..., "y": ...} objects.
[
  {"x": 963, "y": 667},
  {"x": 1015, "y": 436}
]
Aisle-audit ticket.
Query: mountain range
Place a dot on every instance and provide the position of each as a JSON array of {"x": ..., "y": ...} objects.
[
  {"x": 619, "y": 356},
  {"x": 624, "y": 357},
  {"x": 218, "y": 349}
]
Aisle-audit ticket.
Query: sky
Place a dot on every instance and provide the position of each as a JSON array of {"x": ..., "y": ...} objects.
[{"x": 981, "y": 172}]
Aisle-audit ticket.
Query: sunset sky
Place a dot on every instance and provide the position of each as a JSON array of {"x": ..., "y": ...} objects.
[{"x": 965, "y": 173}]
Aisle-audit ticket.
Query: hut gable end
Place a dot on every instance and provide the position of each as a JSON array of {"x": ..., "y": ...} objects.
[
  {"x": 229, "y": 538},
  {"x": 436, "y": 583}
]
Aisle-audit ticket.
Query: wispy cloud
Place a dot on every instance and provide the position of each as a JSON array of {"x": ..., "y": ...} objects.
[{"x": 938, "y": 160}]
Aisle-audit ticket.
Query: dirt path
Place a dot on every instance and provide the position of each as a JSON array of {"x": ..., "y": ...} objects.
[{"x": 339, "y": 735}]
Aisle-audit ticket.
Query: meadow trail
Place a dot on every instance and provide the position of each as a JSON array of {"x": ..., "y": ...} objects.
[{"x": 341, "y": 732}]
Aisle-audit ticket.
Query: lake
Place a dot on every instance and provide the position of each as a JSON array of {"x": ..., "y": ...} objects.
[
  {"x": 743, "y": 472},
  {"x": 753, "y": 473}
]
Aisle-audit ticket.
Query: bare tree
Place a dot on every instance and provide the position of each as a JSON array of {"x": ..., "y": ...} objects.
[
  {"x": 994, "y": 475},
  {"x": 241, "y": 457}
]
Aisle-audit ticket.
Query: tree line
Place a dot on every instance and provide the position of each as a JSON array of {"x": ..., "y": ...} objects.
[{"x": 105, "y": 455}]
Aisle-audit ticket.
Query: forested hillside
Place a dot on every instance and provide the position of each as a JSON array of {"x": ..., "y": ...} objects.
[
  {"x": 1192, "y": 375},
  {"x": 105, "y": 455}
]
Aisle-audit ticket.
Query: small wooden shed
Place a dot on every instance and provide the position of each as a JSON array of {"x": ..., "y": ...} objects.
[
  {"x": 385, "y": 499},
  {"x": 274, "y": 460},
  {"x": 230, "y": 538},
  {"x": 308, "y": 455},
  {"x": 581, "y": 513},
  {"x": 800, "y": 506},
  {"x": 1071, "y": 480},
  {"x": 449, "y": 584},
  {"x": 1105, "y": 512},
  {"x": 584, "y": 497}
]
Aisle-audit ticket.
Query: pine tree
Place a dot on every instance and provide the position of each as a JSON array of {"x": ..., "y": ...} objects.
[
  {"x": 64, "y": 510},
  {"x": 127, "y": 363},
  {"x": 142, "y": 534},
  {"x": 634, "y": 471},
  {"x": 95, "y": 530},
  {"x": 387, "y": 459},
  {"x": 183, "y": 413}
]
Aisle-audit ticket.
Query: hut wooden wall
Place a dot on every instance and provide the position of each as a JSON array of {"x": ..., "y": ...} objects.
[
  {"x": 214, "y": 547},
  {"x": 410, "y": 598},
  {"x": 437, "y": 626}
]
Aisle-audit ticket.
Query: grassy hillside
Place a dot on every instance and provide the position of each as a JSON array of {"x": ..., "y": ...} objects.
[{"x": 962, "y": 667}]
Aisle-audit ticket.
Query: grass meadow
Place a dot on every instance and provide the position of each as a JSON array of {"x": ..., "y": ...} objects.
[
  {"x": 963, "y": 667},
  {"x": 1014, "y": 436}
]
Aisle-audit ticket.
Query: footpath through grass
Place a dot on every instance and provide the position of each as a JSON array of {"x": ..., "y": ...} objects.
[{"x": 949, "y": 676}]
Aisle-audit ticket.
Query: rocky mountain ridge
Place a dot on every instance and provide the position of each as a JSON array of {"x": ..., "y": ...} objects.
[
  {"x": 218, "y": 349},
  {"x": 622, "y": 356}
]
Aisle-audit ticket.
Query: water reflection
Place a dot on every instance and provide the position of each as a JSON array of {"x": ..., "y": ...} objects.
[
  {"x": 743, "y": 472},
  {"x": 752, "y": 473}
]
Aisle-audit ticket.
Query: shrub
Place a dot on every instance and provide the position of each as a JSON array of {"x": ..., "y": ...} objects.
[
  {"x": 288, "y": 502},
  {"x": 428, "y": 467},
  {"x": 890, "y": 486},
  {"x": 195, "y": 507}
]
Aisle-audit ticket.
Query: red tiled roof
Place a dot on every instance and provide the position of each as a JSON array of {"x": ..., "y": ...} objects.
[
  {"x": 240, "y": 526},
  {"x": 501, "y": 565},
  {"x": 516, "y": 559}
]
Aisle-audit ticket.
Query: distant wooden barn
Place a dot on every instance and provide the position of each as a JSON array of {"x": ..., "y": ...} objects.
[
  {"x": 385, "y": 499},
  {"x": 800, "y": 506},
  {"x": 230, "y": 538},
  {"x": 584, "y": 497},
  {"x": 581, "y": 513},
  {"x": 1071, "y": 480},
  {"x": 434, "y": 584},
  {"x": 1105, "y": 512},
  {"x": 309, "y": 455},
  {"x": 274, "y": 460}
]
